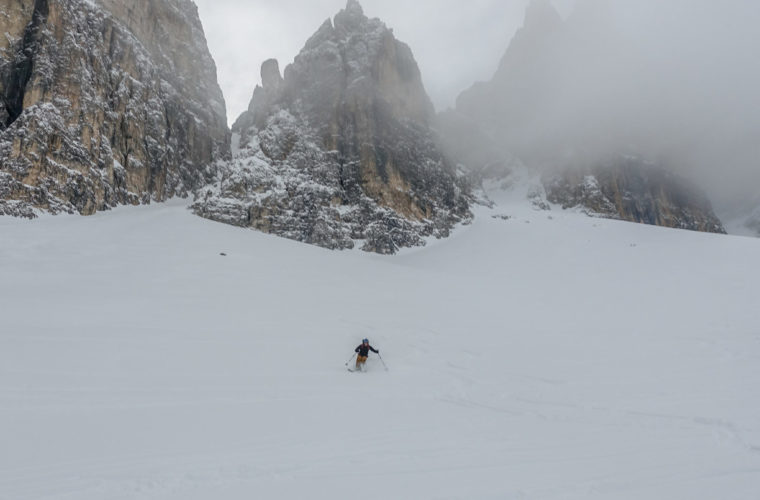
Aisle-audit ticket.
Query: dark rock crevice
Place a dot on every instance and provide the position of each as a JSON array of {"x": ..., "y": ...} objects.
[{"x": 21, "y": 70}]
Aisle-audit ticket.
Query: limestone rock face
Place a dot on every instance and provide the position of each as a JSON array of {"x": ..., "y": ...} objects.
[
  {"x": 104, "y": 102},
  {"x": 340, "y": 151},
  {"x": 630, "y": 189}
]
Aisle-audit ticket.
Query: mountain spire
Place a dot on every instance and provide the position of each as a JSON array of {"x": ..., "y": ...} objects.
[
  {"x": 341, "y": 151},
  {"x": 351, "y": 18},
  {"x": 354, "y": 8}
]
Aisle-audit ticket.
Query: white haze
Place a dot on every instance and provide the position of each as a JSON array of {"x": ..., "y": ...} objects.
[
  {"x": 676, "y": 81},
  {"x": 679, "y": 82}
]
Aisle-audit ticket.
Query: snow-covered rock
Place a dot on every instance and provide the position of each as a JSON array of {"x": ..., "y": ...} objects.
[
  {"x": 104, "y": 103},
  {"x": 340, "y": 151},
  {"x": 631, "y": 189}
]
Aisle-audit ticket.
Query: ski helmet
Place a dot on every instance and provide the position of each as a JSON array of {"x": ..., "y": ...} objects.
[{"x": 365, "y": 341}]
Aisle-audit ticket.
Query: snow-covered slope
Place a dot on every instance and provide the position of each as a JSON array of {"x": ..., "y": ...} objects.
[{"x": 531, "y": 355}]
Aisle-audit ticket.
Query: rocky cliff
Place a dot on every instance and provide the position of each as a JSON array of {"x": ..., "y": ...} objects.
[
  {"x": 628, "y": 188},
  {"x": 104, "y": 102},
  {"x": 339, "y": 150}
]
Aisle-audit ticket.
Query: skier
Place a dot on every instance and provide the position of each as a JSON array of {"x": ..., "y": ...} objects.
[{"x": 363, "y": 352}]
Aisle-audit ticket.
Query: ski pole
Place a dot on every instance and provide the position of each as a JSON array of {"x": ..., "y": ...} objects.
[
  {"x": 383, "y": 362},
  {"x": 352, "y": 357}
]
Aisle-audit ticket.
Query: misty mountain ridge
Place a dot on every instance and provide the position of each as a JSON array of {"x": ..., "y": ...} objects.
[
  {"x": 564, "y": 90},
  {"x": 564, "y": 102}
]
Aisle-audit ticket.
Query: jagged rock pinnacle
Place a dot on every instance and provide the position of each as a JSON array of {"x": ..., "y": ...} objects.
[
  {"x": 351, "y": 18},
  {"x": 353, "y": 7},
  {"x": 270, "y": 74},
  {"x": 341, "y": 150}
]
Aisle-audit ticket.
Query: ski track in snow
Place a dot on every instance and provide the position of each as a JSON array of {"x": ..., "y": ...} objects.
[{"x": 545, "y": 356}]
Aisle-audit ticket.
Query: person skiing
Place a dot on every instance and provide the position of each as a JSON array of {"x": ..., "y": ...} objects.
[{"x": 363, "y": 352}]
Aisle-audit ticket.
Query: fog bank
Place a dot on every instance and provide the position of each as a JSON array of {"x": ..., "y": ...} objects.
[{"x": 674, "y": 81}]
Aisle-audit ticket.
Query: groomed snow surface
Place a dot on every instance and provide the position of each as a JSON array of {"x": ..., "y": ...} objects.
[{"x": 542, "y": 356}]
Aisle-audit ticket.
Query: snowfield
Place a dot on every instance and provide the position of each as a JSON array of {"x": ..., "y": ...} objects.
[{"x": 543, "y": 355}]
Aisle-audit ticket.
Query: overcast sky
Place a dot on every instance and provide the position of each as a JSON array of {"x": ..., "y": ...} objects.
[{"x": 455, "y": 43}]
